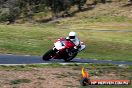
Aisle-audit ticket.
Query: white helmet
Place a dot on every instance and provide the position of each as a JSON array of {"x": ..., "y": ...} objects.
[{"x": 72, "y": 35}]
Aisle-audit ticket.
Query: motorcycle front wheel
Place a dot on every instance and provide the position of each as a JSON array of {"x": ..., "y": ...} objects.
[{"x": 48, "y": 55}]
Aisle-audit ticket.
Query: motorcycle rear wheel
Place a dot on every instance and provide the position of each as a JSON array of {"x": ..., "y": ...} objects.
[
  {"x": 48, "y": 55},
  {"x": 69, "y": 58}
]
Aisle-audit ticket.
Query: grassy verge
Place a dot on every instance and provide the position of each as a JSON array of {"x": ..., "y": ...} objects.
[
  {"x": 74, "y": 66},
  {"x": 29, "y": 67}
]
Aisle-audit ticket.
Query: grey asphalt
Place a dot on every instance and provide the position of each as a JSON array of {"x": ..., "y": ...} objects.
[{"x": 8, "y": 59}]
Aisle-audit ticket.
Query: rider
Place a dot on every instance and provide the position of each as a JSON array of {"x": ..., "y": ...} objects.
[{"x": 73, "y": 37}]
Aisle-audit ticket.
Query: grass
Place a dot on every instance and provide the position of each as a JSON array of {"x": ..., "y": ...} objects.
[
  {"x": 56, "y": 65},
  {"x": 37, "y": 39},
  {"x": 19, "y": 81},
  {"x": 103, "y": 29},
  {"x": 28, "y": 67},
  {"x": 15, "y": 68}
]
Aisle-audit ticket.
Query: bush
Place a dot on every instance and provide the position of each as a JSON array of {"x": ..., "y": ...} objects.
[
  {"x": 4, "y": 14},
  {"x": 18, "y": 81},
  {"x": 9, "y": 10},
  {"x": 8, "y": 14}
]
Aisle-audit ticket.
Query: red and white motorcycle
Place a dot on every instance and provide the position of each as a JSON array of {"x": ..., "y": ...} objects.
[{"x": 63, "y": 49}]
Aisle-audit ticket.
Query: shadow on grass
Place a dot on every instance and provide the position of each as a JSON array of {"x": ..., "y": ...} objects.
[
  {"x": 83, "y": 10},
  {"x": 127, "y": 5},
  {"x": 56, "y": 19}
]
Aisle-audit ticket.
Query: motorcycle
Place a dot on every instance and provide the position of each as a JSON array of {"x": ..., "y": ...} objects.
[{"x": 63, "y": 49}]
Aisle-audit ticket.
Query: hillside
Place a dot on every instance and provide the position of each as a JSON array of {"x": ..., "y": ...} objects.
[
  {"x": 37, "y": 11},
  {"x": 109, "y": 12},
  {"x": 114, "y": 11}
]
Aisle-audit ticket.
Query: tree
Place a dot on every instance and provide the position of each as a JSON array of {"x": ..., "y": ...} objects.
[
  {"x": 9, "y": 10},
  {"x": 64, "y": 5},
  {"x": 79, "y": 3},
  {"x": 131, "y": 1},
  {"x": 103, "y": 1}
]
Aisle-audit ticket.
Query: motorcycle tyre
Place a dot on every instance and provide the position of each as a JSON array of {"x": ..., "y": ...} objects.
[
  {"x": 48, "y": 54},
  {"x": 67, "y": 59}
]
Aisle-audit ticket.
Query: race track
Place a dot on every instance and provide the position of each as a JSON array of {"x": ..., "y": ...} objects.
[{"x": 8, "y": 59}]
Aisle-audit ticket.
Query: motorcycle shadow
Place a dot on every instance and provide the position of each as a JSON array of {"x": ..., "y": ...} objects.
[{"x": 75, "y": 60}]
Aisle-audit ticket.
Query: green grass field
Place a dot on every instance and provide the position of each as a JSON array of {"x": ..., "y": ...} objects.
[{"x": 37, "y": 39}]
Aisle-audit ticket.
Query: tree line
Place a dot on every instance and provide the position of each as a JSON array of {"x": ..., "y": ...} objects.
[{"x": 10, "y": 10}]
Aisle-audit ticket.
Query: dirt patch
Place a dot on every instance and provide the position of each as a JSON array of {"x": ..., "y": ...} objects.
[
  {"x": 46, "y": 78},
  {"x": 41, "y": 78}
]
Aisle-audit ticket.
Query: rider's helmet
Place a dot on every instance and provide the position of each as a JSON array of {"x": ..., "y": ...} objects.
[{"x": 72, "y": 36}]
